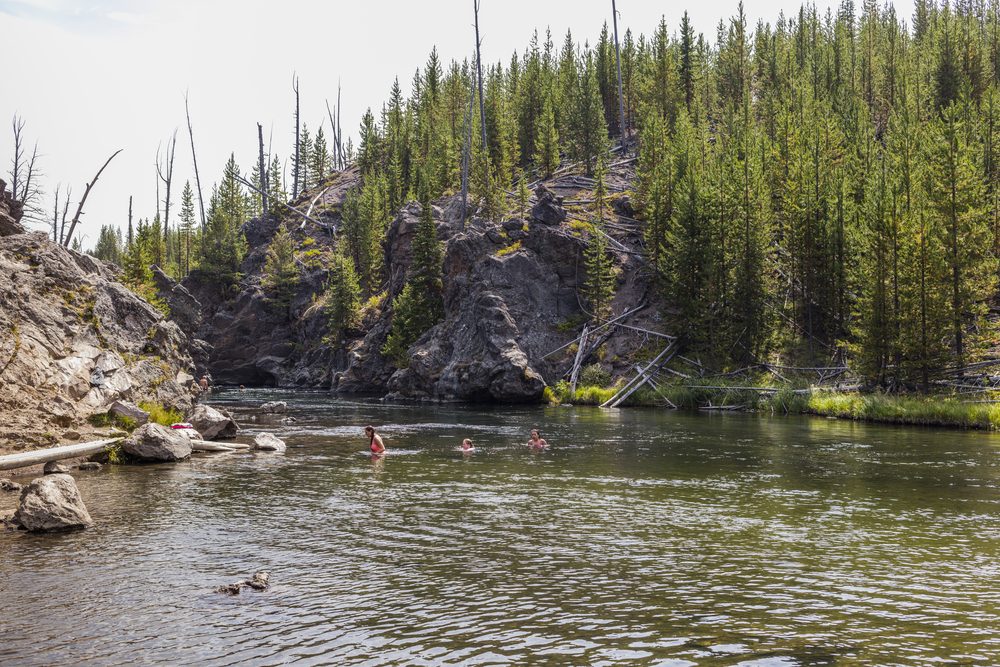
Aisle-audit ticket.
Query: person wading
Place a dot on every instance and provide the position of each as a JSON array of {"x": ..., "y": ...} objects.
[{"x": 374, "y": 441}]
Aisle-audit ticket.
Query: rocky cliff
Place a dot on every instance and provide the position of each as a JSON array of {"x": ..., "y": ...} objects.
[
  {"x": 73, "y": 340},
  {"x": 511, "y": 297}
]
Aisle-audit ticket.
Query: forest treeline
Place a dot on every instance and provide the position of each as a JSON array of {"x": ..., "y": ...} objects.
[{"x": 819, "y": 187}]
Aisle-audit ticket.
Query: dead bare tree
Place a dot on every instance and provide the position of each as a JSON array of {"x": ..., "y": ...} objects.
[
  {"x": 83, "y": 200},
  {"x": 55, "y": 217},
  {"x": 479, "y": 74},
  {"x": 65, "y": 213},
  {"x": 130, "y": 238},
  {"x": 24, "y": 172},
  {"x": 262, "y": 166},
  {"x": 340, "y": 133},
  {"x": 336, "y": 139},
  {"x": 618, "y": 65},
  {"x": 165, "y": 173},
  {"x": 194, "y": 159},
  {"x": 297, "y": 167},
  {"x": 467, "y": 153}
]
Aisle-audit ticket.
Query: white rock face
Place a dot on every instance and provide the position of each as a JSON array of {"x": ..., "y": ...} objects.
[
  {"x": 269, "y": 443},
  {"x": 52, "y": 503}
]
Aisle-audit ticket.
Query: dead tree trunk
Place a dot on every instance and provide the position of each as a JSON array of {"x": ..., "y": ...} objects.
[
  {"x": 83, "y": 200},
  {"x": 167, "y": 177},
  {"x": 340, "y": 133},
  {"x": 467, "y": 154},
  {"x": 130, "y": 219},
  {"x": 55, "y": 219},
  {"x": 297, "y": 166},
  {"x": 194, "y": 159},
  {"x": 65, "y": 214},
  {"x": 618, "y": 65},
  {"x": 479, "y": 76},
  {"x": 263, "y": 169}
]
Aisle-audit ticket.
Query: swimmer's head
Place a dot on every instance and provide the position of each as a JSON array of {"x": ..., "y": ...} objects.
[
  {"x": 534, "y": 433},
  {"x": 369, "y": 430},
  {"x": 467, "y": 442}
]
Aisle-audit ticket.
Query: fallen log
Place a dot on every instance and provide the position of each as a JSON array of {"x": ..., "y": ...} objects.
[
  {"x": 206, "y": 446},
  {"x": 38, "y": 456}
]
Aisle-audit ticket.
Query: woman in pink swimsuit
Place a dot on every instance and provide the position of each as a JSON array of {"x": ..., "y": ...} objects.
[
  {"x": 375, "y": 441},
  {"x": 537, "y": 442}
]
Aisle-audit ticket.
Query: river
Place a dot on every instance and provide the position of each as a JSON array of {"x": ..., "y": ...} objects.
[{"x": 640, "y": 537}]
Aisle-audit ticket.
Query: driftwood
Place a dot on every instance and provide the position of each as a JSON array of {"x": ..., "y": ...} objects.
[
  {"x": 24, "y": 459},
  {"x": 596, "y": 329},
  {"x": 305, "y": 216},
  {"x": 635, "y": 383},
  {"x": 83, "y": 200},
  {"x": 579, "y": 359}
]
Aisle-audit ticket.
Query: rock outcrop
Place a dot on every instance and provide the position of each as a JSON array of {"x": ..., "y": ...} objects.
[
  {"x": 10, "y": 212},
  {"x": 274, "y": 408},
  {"x": 52, "y": 503},
  {"x": 213, "y": 423},
  {"x": 154, "y": 442},
  {"x": 73, "y": 340},
  {"x": 512, "y": 295}
]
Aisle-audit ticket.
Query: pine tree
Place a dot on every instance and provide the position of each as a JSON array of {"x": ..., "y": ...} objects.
[
  {"x": 320, "y": 159},
  {"x": 590, "y": 132},
  {"x": 420, "y": 305},
  {"x": 280, "y": 278},
  {"x": 599, "y": 287},
  {"x": 187, "y": 228},
  {"x": 343, "y": 294},
  {"x": 224, "y": 244},
  {"x": 547, "y": 156}
]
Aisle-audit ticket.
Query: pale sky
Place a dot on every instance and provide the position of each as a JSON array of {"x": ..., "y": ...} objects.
[{"x": 92, "y": 77}]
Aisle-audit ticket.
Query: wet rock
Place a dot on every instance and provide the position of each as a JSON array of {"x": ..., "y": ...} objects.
[
  {"x": 129, "y": 411},
  {"x": 52, "y": 503},
  {"x": 269, "y": 443},
  {"x": 71, "y": 435},
  {"x": 9, "y": 486},
  {"x": 153, "y": 442},
  {"x": 55, "y": 468},
  {"x": 274, "y": 407},
  {"x": 260, "y": 582},
  {"x": 548, "y": 210},
  {"x": 213, "y": 423},
  {"x": 89, "y": 465}
]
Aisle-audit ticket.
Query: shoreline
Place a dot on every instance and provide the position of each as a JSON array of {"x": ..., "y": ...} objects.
[{"x": 934, "y": 410}]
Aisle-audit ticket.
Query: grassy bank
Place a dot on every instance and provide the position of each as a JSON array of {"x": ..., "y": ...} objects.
[{"x": 933, "y": 410}]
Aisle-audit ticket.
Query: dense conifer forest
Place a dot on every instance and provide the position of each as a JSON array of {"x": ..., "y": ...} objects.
[{"x": 823, "y": 186}]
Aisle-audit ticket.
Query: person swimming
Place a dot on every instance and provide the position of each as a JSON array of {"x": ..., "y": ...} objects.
[
  {"x": 375, "y": 441},
  {"x": 536, "y": 441},
  {"x": 467, "y": 446}
]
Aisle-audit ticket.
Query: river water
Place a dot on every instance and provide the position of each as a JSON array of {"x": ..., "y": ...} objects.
[{"x": 640, "y": 537}]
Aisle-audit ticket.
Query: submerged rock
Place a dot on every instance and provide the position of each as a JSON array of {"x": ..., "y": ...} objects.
[
  {"x": 154, "y": 442},
  {"x": 55, "y": 468},
  {"x": 52, "y": 503},
  {"x": 213, "y": 423},
  {"x": 260, "y": 582},
  {"x": 89, "y": 465},
  {"x": 274, "y": 408},
  {"x": 269, "y": 443}
]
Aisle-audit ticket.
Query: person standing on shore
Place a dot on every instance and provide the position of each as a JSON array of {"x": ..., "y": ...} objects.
[{"x": 374, "y": 441}]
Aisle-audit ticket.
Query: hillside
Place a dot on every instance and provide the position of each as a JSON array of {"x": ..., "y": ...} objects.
[{"x": 73, "y": 340}]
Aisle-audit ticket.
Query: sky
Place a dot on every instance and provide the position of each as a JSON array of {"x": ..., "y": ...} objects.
[{"x": 89, "y": 78}]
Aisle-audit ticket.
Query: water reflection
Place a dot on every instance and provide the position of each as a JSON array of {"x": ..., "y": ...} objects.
[{"x": 638, "y": 537}]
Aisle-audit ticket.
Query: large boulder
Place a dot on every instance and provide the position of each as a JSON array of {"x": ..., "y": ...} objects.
[
  {"x": 55, "y": 468},
  {"x": 269, "y": 443},
  {"x": 213, "y": 423},
  {"x": 52, "y": 503},
  {"x": 154, "y": 442}
]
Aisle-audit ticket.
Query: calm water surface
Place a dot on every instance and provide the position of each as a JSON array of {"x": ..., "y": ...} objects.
[{"x": 641, "y": 537}]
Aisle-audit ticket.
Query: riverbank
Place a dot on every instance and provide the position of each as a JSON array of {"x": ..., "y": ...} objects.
[{"x": 944, "y": 410}]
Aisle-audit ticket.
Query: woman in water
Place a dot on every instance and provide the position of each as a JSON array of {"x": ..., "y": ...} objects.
[
  {"x": 537, "y": 442},
  {"x": 467, "y": 446},
  {"x": 375, "y": 441}
]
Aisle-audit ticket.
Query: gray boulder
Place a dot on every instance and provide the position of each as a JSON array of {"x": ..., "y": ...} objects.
[
  {"x": 213, "y": 423},
  {"x": 269, "y": 443},
  {"x": 52, "y": 503},
  {"x": 274, "y": 408},
  {"x": 55, "y": 468},
  {"x": 153, "y": 442},
  {"x": 129, "y": 411}
]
